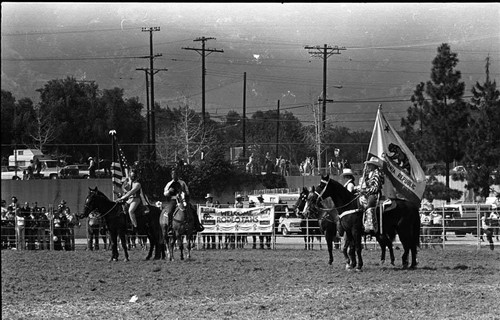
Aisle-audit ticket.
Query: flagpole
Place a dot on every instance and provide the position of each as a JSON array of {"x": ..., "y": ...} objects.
[{"x": 112, "y": 134}]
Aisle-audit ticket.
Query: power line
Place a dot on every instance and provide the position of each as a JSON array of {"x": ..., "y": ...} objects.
[{"x": 203, "y": 70}]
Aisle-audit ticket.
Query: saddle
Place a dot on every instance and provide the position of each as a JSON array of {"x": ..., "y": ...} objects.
[{"x": 385, "y": 204}]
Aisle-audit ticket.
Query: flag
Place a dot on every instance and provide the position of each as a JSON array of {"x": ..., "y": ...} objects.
[
  {"x": 404, "y": 177},
  {"x": 119, "y": 165}
]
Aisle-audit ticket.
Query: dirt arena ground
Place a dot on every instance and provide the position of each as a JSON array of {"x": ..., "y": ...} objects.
[{"x": 457, "y": 283}]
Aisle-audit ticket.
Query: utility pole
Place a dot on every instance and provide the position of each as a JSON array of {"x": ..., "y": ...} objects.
[
  {"x": 202, "y": 51},
  {"x": 151, "y": 74},
  {"x": 148, "y": 110},
  {"x": 324, "y": 53},
  {"x": 244, "y": 112}
]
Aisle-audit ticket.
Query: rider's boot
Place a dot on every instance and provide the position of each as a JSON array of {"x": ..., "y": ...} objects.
[{"x": 198, "y": 226}]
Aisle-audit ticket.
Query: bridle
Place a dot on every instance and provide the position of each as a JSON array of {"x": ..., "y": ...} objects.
[
  {"x": 320, "y": 198},
  {"x": 101, "y": 215}
]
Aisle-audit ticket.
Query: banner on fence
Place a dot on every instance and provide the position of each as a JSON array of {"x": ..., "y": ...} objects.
[{"x": 237, "y": 220}]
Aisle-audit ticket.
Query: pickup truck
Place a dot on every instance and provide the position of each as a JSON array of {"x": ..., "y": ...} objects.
[{"x": 9, "y": 173}]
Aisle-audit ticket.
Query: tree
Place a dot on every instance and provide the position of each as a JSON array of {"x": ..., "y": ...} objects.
[
  {"x": 483, "y": 147},
  {"x": 441, "y": 113},
  {"x": 42, "y": 130},
  {"x": 188, "y": 139}
]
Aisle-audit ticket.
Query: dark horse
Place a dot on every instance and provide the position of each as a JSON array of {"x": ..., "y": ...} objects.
[
  {"x": 326, "y": 219},
  {"x": 116, "y": 222},
  {"x": 182, "y": 225},
  {"x": 403, "y": 219}
]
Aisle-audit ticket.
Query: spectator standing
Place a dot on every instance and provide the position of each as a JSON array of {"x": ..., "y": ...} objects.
[
  {"x": 495, "y": 221},
  {"x": 22, "y": 213},
  {"x": 437, "y": 226},
  {"x": 72, "y": 223},
  {"x": 92, "y": 167},
  {"x": 207, "y": 238},
  {"x": 61, "y": 227},
  {"x": 30, "y": 226},
  {"x": 18, "y": 222},
  {"x": 282, "y": 166},
  {"x": 8, "y": 229},
  {"x": 261, "y": 236},
  {"x": 250, "y": 164},
  {"x": 38, "y": 168},
  {"x": 332, "y": 167},
  {"x": 41, "y": 225},
  {"x": 30, "y": 171},
  {"x": 4, "y": 232},
  {"x": 93, "y": 229},
  {"x": 487, "y": 230}
]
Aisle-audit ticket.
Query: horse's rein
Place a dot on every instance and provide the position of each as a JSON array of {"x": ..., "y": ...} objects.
[
  {"x": 320, "y": 196},
  {"x": 103, "y": 215}
]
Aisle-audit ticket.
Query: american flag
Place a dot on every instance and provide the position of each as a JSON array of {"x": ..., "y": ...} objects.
[{"x": 119, "y": 166}]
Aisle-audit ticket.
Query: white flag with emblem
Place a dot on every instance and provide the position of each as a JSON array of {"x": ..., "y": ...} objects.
[{"x": 404, "y": 177}]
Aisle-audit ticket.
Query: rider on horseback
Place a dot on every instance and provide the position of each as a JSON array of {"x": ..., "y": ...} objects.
[
  {"x": 372, "y": 189},
  {"x": 132, "y": 195},
  {"x": 348, "y": 176},
  {"x": 172, "y": 191}
]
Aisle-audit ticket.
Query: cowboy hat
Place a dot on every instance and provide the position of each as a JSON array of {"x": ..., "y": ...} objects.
[
  {"x": 90, "y": 158},
  {"x": 238, "y": 196},
  {"x": 374, "y": 161},
  {"x": 209, "y": 195},
  {"x": 347, "y": 172}
]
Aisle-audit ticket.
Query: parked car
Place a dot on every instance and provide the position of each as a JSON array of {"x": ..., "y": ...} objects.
[
  {"x": 50, "y": 169},
  {"x": 9, "y": 173},
  {"x": 289, "y": 225}
]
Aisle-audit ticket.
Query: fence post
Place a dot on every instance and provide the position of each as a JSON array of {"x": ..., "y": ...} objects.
[
  {"x": 444, "y": 228},
  {"x": 478, "y": 226},
  {"x": 51, "y": 226}
]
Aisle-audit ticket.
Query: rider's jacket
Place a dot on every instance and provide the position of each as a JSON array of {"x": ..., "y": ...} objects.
[
  {"x": 174, "y": 188},
  {"x": 374, "y": 182}
]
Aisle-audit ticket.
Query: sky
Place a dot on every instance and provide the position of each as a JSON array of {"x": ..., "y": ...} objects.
[{"x": 386, "y": 50}]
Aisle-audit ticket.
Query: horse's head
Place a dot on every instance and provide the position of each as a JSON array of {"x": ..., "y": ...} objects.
[
  {"x": 301, "y": 201},
  {"x": 91, "y": 202},
  {"x": 329, "y": 188},
  {"x": 318, "y": 194}
]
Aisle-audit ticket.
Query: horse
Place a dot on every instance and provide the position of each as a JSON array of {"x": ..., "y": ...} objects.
[
  {"x": 116, "y": 222},
  {"x": 325, "y": 217},
  {"x": 182, "y": 225},
  {"x": 403, "y": 219}
]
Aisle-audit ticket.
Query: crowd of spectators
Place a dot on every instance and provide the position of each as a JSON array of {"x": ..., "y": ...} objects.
[{"x": 26, "y": 227}]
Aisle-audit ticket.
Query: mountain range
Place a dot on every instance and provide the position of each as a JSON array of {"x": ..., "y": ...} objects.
[{"x": 388, "y": 50}]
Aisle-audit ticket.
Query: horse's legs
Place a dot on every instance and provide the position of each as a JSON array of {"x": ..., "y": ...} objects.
[
  {"x": 345, "y": 251},
  {"x": 329, "y": 244},
  {"x": 113, "y": 239},
  {"x": 124, "y": 245},
  {"x": 181, "y": 246},
  {"x": 405, "y": 255},
  {"x": 189, "y": 242},
  {"x": 358, "y": 248}
]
